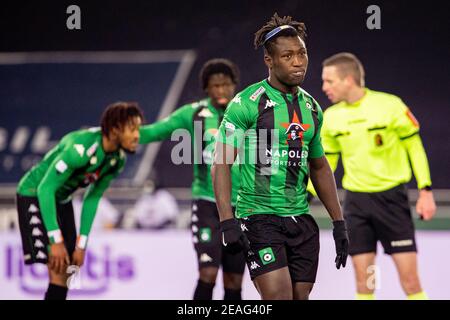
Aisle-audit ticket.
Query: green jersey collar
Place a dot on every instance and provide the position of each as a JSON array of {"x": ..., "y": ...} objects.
[
  {"x": 212, "y": 108},
  {"x": 278, "y": 93}
]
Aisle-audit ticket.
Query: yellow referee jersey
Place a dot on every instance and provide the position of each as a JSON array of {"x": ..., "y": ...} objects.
[{"x": 377, "y": 137}]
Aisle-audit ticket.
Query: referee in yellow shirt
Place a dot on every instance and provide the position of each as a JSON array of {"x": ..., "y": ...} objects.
[{"x": 378, "y": 139}]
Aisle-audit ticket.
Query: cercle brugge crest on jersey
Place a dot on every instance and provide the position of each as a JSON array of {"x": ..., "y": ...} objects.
[
  {"x": 91, "y": 177},
  {"x": 295, "y": 129}
]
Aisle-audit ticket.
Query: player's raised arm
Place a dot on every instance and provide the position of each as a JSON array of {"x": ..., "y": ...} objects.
[{"x": 163, "y": 129}]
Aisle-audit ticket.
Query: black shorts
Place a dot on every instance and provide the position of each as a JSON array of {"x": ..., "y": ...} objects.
[
  {"x": 34, "y": 235},
  {"x": 277, "y": 242},
  {"x": 383, "y": 216},
  {"x": 207, "y": 239}
]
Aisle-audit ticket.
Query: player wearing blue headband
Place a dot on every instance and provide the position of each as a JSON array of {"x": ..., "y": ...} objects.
[{"x": 278, "y": 123}]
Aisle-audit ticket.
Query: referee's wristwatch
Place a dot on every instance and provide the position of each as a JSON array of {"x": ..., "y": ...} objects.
[{"x": 426, "y": 188}]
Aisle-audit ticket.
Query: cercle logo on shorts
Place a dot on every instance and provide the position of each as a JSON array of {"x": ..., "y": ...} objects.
[
  {"x": 205, "y": 234},
  {"x": 102, "y": 266},
  {"x": 266, "y": 255}
]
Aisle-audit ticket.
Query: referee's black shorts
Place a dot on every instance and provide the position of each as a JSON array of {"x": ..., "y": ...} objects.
[{"x": 383, "y": 216}]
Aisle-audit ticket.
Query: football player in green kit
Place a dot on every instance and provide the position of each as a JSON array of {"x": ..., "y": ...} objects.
[
  {"x": 201, "y": 120},
  {"x": 85, "y": 158},
  {"x": 277, "y": 124}
]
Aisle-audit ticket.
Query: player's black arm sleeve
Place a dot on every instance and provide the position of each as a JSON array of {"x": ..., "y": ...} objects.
[{"x": 323, "y": 181}]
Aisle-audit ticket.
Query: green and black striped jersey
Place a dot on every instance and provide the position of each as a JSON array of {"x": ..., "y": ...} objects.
[
  {"x": 201, "y": 119},
  {"x": 276, "y": 134}
]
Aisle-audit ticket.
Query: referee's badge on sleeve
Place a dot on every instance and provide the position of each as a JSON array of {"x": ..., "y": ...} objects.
[{"x": 411, "y": 117}]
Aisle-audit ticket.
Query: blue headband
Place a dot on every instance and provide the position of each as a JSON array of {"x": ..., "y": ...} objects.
[{"x": 277, "y": 30}]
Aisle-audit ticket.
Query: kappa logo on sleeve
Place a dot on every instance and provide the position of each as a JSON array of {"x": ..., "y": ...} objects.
[
  {"x": 79, "y": 148},
  {"x": 237, "y": 99},
  {"x": 61, "y": 166}
]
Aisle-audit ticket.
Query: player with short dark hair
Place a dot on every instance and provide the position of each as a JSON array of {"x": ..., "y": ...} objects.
[
  {"x": 378, "y": 138},
  {"x": 275, "y": 126},
  {"x": 85, "y": 158},
  {"x": 218, "y": 66},
  {"x": 218, "y": 78}
]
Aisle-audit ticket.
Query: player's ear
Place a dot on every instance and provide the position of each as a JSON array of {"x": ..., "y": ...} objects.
[
  {"x": 268, "y": 60},
  {"x": 114, "y": 133},
  {"x": 206, "y": 85},
  {"x": 348, "y": 80}
]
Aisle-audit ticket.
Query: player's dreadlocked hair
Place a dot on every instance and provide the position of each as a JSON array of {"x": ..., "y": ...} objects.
[
  {"x": 118, "y": 114},
  {"x": 277, "y": 21},
  {"x": 215, "y": 66}
]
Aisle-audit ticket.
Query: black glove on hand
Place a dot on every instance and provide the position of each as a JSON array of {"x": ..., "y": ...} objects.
[
  {"x": 233, "y": 238},
  {"x": 341, "y": 240}
]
